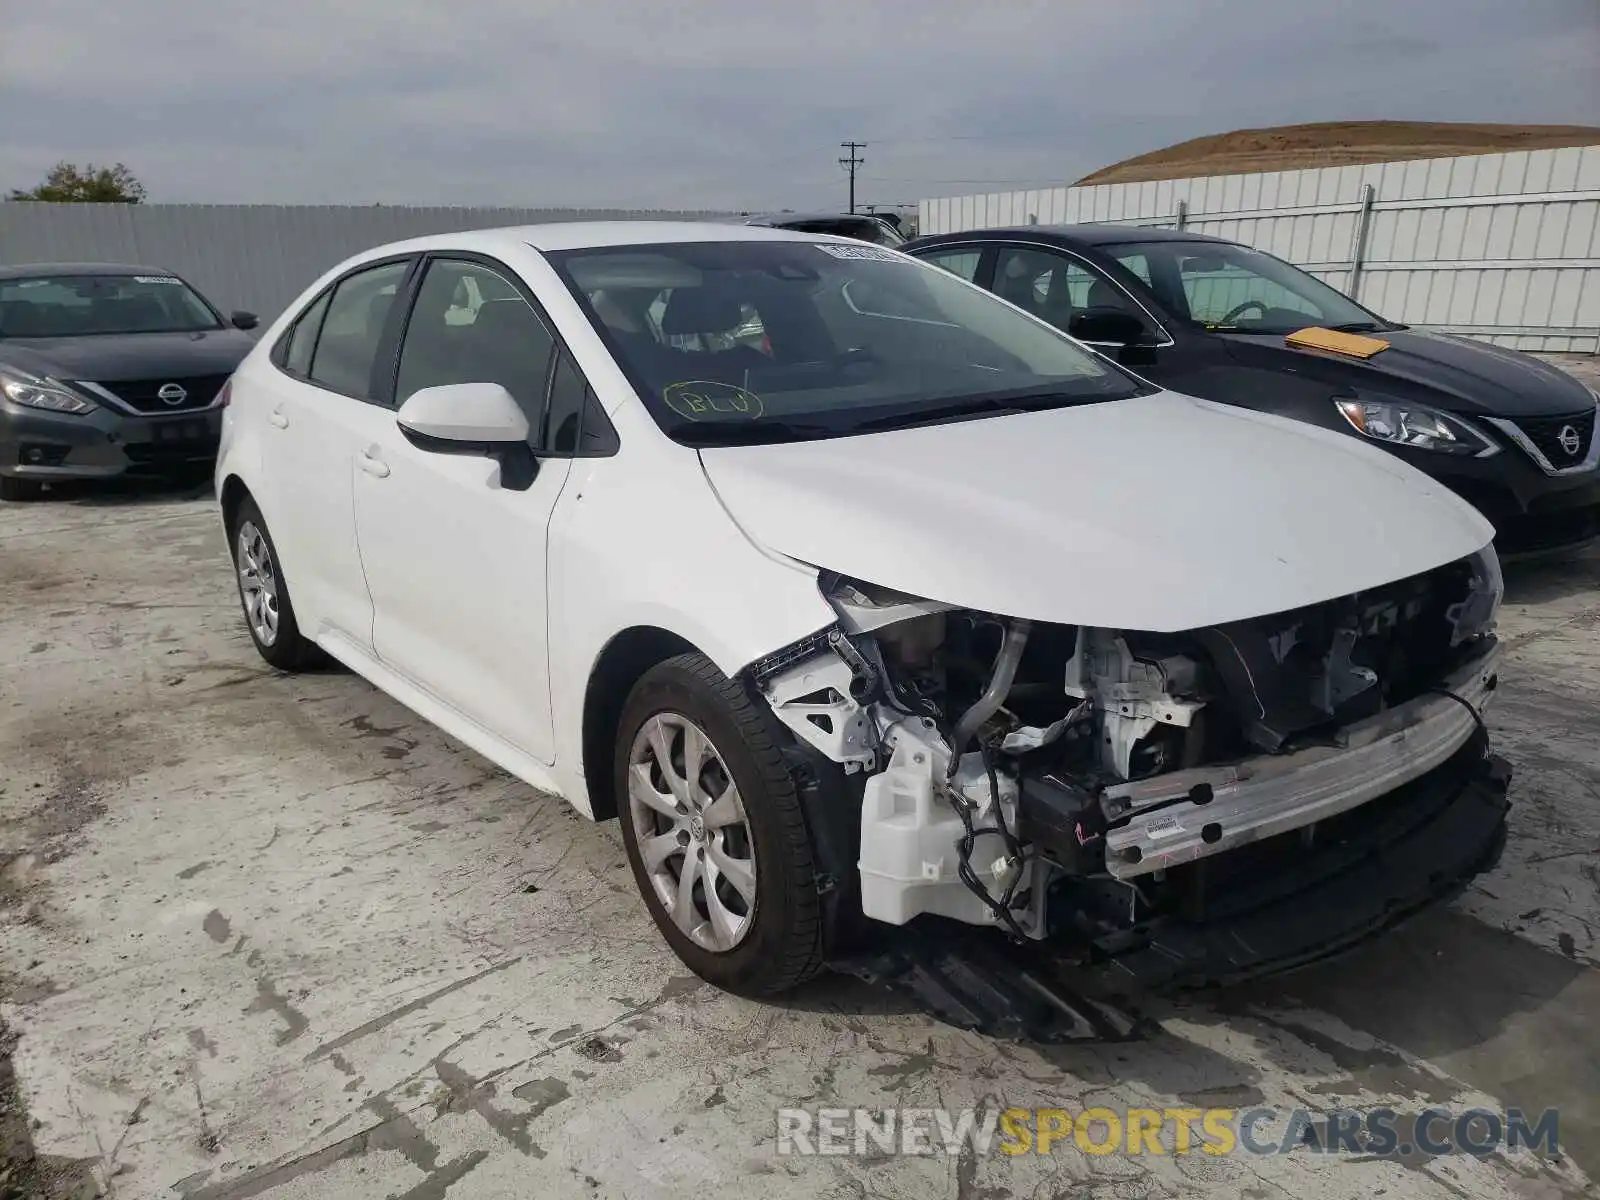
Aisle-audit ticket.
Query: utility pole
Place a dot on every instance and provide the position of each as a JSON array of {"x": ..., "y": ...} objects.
[{"x": 850, "y": 164}]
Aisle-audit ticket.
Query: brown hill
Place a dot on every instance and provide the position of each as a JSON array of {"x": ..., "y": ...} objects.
[{"x": 1335, "y": 144}]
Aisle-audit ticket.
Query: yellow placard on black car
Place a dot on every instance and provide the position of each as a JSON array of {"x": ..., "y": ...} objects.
[{"x": 1332, "y": 340}]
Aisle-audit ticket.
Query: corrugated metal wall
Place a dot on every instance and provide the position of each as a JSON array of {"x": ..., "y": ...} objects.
[
  {"x": 254, "y": 257},
  {"x": 1504, "y": 247}
]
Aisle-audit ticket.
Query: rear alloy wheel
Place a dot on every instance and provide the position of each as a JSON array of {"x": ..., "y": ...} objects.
[
  {"x": 714, "y": 831},
  {"x": 268, "y": 612}
]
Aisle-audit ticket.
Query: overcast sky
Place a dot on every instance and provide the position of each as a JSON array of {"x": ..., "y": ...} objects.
[{"x": 733, "y": 103}]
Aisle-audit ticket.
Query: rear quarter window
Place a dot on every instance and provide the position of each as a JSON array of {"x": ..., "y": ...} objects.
[{"x": 301, "y": 340}]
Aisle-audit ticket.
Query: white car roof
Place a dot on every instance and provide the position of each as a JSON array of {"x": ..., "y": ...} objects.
[
  {"x": 576, "y": 235},
  {"x": 582, "y": 235}
]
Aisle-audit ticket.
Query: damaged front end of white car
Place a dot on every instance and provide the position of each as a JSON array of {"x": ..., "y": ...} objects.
[{"x": 1149, "y": 809}]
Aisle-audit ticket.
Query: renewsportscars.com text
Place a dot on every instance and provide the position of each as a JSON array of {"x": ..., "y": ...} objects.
[{"x": 1478, "y": 1132}]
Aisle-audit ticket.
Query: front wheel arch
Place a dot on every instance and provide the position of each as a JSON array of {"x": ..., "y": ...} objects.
[{"x": 622, "y": 663}]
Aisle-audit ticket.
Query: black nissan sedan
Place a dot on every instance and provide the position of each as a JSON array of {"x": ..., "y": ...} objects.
[
  {"x": 108, "y": 370},
  {"x": 1512, "y": 435}
]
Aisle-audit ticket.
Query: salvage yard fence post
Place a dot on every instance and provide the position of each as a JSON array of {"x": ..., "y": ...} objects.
[
  {"x": 1500, "y": 247},
  {"x": 1358, "y": 244}
]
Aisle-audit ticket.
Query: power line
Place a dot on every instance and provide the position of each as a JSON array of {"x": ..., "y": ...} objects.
[
  {"x": 850, "y": 164},
  {"x": 948, "y": 137},
  {"x": 1038, "y": 181}
]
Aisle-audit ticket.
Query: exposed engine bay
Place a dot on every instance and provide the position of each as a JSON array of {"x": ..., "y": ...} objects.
[{"x": 1060, "y": 781}]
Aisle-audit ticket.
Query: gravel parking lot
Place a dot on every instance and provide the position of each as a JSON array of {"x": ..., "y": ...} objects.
[{"x": 273, "y": 936}]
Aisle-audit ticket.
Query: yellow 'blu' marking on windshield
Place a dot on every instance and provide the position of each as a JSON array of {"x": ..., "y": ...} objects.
[{"x": 700, "y": 399}]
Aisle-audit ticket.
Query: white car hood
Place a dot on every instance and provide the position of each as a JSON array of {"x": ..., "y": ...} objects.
[{"x": 1159, "y": 513}]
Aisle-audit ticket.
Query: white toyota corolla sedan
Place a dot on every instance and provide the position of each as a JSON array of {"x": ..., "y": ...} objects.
[{"x": 864, "y": 598}]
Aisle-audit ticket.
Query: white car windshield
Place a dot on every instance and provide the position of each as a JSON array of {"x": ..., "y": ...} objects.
[
  {"x": 55, "y": 306},
  {"x": 754, "y": 341}
]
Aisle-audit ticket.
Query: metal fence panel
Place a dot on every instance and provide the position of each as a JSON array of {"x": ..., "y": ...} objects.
[
  {"x": 1502, "y": 247},
  {"x": 248, "y": 256}
]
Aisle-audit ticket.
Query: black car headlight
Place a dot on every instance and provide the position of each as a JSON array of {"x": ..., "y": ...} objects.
[
  {"x": 43, "y": 392},
  {"x": 1405, "y": 423}
]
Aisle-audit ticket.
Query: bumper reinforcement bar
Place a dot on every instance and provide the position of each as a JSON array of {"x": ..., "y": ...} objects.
[{"x": 1188, "y": 815}]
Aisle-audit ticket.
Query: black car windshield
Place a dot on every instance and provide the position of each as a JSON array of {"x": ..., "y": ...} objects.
[
  {"x": 755, "y": 340},
  {"x": 1225, "y": 287},
  {"x": 52, "y": 306}
]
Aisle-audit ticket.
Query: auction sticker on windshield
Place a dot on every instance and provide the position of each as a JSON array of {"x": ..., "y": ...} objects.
[
  {"x": 154, "y": 279},
  {"x": 869, "y": 253}
]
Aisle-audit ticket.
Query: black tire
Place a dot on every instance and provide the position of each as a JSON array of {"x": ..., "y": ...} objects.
[
  {"x": 286, "y": 649},
  {"x": 20, "y": 489},
  {"x": 783, "y": 946}
]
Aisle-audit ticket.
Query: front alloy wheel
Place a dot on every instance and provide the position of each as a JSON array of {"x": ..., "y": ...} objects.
[
  {"x": 692, "y": 831},
  {"x": 714, "y": 829}
]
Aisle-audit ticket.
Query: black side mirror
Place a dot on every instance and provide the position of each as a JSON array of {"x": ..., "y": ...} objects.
[
  {"x": 1108, "y": 326},
  {"x": 244, "y": 320}
]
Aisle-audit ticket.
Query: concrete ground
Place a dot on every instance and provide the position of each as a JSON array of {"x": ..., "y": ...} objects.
[{"x": 273, "y": 936}]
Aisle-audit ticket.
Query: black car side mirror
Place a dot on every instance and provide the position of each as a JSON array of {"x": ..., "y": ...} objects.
[
  {"x": 1108, "y": 326},
  {"x": 244, "y": 320}
]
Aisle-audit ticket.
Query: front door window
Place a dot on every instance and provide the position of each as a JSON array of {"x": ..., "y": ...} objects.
[
  {"x": 471, "y": 325},
  {"x": 1229, "y": 288}
]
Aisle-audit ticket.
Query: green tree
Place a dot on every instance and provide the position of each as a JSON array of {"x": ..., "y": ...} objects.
[{"x": 67, "y": 184}]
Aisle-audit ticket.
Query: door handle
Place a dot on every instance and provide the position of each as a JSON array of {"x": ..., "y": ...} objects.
[
  {"x": 374, "y": 466},
  {"x": 278, "y": 419}
]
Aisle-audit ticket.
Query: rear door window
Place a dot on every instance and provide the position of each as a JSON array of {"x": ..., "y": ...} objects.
[
  {"x": 357, "y": 312},
  {"x": 962, "y": 263},
  {"x": 303, "y": 339}
]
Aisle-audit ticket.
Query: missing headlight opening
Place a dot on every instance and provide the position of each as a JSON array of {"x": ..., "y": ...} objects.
[{"x": 1057, "y": 781}]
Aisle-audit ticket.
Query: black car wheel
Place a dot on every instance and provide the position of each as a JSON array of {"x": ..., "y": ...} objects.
[{"x": 714, "y": 830}]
